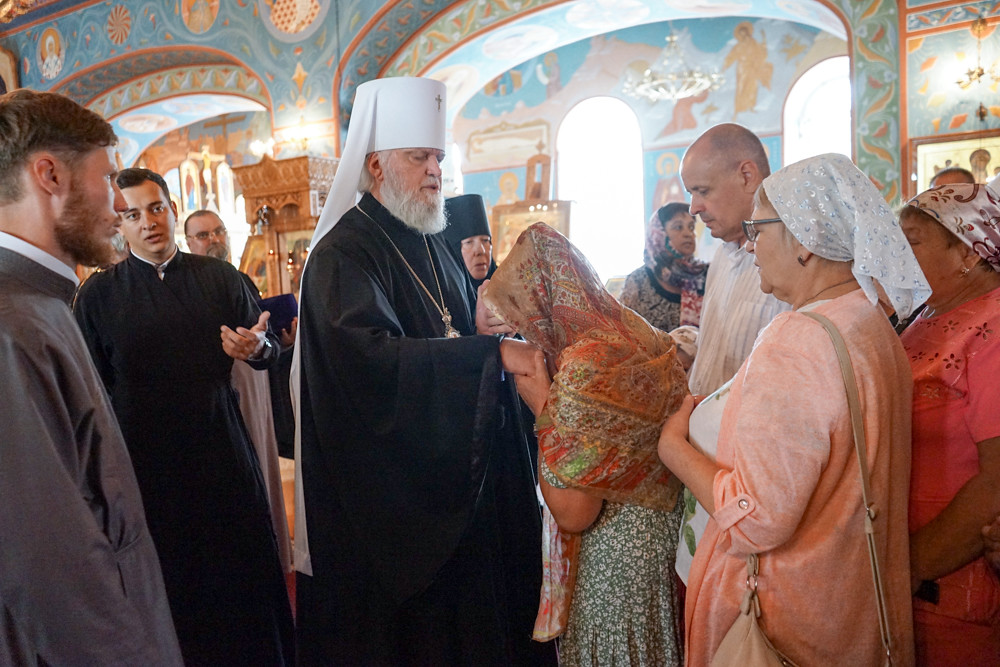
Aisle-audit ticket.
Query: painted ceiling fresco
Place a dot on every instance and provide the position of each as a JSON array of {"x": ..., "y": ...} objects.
[
  {"x": 757, "y": 69},
  {"x": 306, "y": 52},
  {"x": 302, "y": 59}
]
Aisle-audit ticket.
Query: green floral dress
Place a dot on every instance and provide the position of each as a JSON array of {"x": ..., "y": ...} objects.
[{"x": 625, "y": 608}]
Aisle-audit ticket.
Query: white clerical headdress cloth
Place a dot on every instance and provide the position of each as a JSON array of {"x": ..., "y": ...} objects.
[{"x": 398, "y": 112}]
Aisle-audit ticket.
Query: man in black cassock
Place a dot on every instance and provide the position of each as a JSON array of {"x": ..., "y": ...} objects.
[
  {"x": 153, "y": 323},
  {"x": 206, "y": 235},
  {"x": 80, "y": 583},
  {"x": 423, "y": 536}
]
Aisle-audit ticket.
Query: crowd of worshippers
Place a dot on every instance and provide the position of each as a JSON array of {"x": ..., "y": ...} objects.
[{"x": 495, "y": 465}]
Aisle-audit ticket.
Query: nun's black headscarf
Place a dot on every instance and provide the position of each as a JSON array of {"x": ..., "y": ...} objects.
[{"x": 467, "y": 217}]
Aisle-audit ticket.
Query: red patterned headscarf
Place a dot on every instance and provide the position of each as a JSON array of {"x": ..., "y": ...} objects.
[
  {"x": 970, "y": 212},
  {"x": 618, "y": 377}
]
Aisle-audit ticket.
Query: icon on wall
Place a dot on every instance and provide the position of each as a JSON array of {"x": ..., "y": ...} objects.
[
  {"x": 199, "y": 15},
  {"x": 8, "y": 71},
  {"x": 51, "y": 52}
]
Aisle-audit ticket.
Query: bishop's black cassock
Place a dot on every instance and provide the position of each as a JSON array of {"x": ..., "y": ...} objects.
[
  {"x": 157, "y": 347},
  {"x": 423, "y": 524}
]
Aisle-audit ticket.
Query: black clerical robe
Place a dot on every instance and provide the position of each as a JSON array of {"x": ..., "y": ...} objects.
[
  {"x": 156, "y": 345},
  {"x": 79, "y": 578},
  {"x": 423, "y": 524}
]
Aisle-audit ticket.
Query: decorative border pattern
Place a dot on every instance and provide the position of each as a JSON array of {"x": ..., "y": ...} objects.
[
  {"x": 226, "y": 79},
  {"x": 875, "y": 38},
  {"x": 93, "y": 82},
  {"x": 947, "y": 16}
]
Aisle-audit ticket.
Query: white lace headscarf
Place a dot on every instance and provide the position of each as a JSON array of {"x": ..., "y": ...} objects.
[{"x": 833, "y": 210}]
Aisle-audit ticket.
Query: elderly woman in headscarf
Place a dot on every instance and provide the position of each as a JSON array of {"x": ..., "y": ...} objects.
[
  {"x": 612, "y": 507},
  {"x": 668, "y": 288},
  {"x": 954, "y": 231},
  {"x": 786, "y": 484}
]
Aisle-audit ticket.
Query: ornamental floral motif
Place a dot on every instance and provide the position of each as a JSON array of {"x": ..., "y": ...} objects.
[
  {"x": 119, "y": 25},
  {"x": 983, "y": 331},
  {"x": 951, "y": 361}
]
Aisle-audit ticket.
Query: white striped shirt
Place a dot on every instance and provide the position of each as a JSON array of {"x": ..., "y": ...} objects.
[{"x": 733, "y": 313}]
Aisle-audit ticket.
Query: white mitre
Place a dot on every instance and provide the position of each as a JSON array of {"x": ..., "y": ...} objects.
[{"x": 399, "y": 112}]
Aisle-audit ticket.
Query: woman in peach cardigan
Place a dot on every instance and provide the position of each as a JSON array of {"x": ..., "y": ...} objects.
[{"x": 786, "y": 483}]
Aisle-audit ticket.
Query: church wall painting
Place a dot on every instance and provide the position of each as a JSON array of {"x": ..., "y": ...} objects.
[
  {"x": 128, "y": 37},
  {"x": 934, "y": 62},
  {"x": 760, "y": 58},
  {"x": 502, "y": 186},
  {"x": 119, "y": 24},
  {"x": 8, "y": 71},
  {"x": 190, "y": 187},
  {"x": 199, "y": 15},
  {"x": 229, "y": 134},
  {"x": 292, "y": 20},
  {"x": 940, "y": 47},
  {"x": 353, "y": 33},
  {"x": 51, "y": 53}
]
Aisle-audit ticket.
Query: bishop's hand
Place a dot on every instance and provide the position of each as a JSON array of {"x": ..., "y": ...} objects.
[{"x": 245, "y": 343}]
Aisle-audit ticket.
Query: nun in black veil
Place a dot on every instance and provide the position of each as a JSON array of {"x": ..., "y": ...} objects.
[{"x": 468, "y": 236}]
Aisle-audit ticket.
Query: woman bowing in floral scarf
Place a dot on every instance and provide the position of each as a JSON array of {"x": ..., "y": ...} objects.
[{"x": 612, "y": 510}]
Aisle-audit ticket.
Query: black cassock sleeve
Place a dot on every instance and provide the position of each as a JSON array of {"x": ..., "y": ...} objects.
[{"x": 397, "y": 428}]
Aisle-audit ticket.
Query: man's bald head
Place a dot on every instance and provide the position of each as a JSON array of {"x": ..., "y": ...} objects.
[
  {"x": 952, "y": 176},
  {"x": 721, "y": 170},
  {"x": 727, "y": 145}
]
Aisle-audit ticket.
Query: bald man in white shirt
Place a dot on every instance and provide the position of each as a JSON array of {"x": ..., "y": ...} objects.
[{"x": 721, "y": 170}]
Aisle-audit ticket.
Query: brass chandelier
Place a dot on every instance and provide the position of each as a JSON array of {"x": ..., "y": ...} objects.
[{"x": 977, "y": 74}]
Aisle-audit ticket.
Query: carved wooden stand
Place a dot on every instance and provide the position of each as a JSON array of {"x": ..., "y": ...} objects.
[{"x": 283, "y": 202}]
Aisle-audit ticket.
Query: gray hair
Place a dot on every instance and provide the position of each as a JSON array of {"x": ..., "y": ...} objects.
[{"x": 366, "y": 181}]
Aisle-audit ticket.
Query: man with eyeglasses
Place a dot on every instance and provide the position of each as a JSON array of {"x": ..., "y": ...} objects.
[
  {"x": 722, "y": 170},
  {"x": 206, "y": 235},
  {"x": 163, "y": 328}
]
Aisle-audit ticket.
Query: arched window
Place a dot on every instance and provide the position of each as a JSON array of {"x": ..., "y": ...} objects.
[
  {"x": 599, "y": 168},
  {"x": 818, "y": 112}
]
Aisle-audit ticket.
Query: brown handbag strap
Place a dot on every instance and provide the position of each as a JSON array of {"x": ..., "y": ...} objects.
[{"x": 854, "y": 403}]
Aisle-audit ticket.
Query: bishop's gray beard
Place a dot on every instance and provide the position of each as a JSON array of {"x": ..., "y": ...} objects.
[{"x": 416, "y": 212}]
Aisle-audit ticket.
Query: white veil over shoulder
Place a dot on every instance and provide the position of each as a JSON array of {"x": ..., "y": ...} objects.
[{"x": 398, "y": 112}]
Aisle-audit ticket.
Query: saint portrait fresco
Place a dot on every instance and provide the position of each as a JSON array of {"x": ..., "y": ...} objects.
[
  {"x": 51, "y": 53},
  {"x": 199, "y": 15}
]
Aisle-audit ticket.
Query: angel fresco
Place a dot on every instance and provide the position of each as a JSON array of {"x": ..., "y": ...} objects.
[{"x": 752, "y": 68}]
